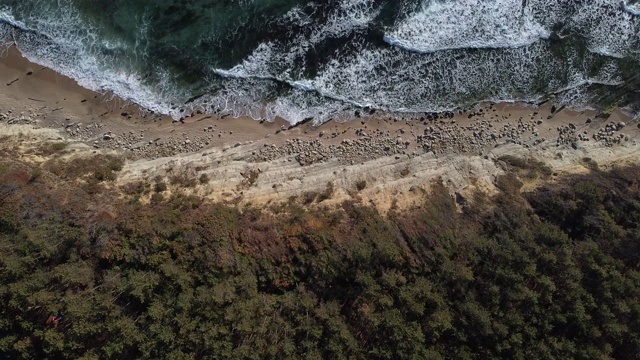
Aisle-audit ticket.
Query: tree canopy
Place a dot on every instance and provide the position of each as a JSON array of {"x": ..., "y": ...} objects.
[{"x": 553, "y": 273}]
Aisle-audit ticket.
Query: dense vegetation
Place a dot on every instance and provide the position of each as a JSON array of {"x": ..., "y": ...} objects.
[{"x": 548, "y": 274}]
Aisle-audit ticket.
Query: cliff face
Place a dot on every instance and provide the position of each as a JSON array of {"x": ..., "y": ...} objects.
[
  {"x": 95, "y": 266},
  {"x": 232, "y": 176},
  {"x": 381, "y": 161}
]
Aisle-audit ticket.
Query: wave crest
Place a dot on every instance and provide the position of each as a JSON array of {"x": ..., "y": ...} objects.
[
  {"x": 451, "y": 25},
  {"x": 633, "y": 9},
  {"x": 327, "y": 60}
]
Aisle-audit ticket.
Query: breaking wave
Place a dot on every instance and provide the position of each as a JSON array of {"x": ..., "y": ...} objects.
[
  {"x": 325, "y": 59},
  {"x": 631, "y": 7},
  {"x": 439, "y": 26}
]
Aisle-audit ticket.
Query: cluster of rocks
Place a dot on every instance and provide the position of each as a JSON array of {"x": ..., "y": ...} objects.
[
  {"x": 307, "y": 152},
  {"x": 140, "y": 146},
  {"x": 126, "y": 140},
  {"x": 82, "y": 131},
  {"x": 21, "y": 118},
  {"x": 440, "y": 135},
  {"x": 609, "y": 135},
  {"x": 518, "y": 133},
  {"x": 449, "y": 137},
  {"x": 358, "y": 150},
  {"x": 431, "y": 133},
  {"x": 567, "y": 135}
]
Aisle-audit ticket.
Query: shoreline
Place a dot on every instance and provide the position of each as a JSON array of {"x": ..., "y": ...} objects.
[
  {"x": 12, "y": 58},
  {"x": 394, "y": 157}
]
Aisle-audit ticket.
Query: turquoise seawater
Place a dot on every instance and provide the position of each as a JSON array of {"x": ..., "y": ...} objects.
[{"x": 328, "y": 59}]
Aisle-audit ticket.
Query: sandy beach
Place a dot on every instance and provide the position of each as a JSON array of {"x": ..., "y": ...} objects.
[{"x": 378, "y": 160}]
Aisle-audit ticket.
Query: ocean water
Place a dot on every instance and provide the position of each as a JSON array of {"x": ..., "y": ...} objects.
[{"x": 332, "y": 59}]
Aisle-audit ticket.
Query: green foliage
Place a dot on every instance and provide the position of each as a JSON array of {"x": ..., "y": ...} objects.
[
  {"x": 549, "y": 274},
  {"x": 509, "y": 184},
  {"x": 528, "y": 168}
]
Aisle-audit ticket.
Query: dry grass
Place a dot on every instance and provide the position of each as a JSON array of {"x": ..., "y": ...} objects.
[
  {"x": 94, "y": 168},
  {"x": 327, "y": 193},
  {"x": 529, "y": 169}
]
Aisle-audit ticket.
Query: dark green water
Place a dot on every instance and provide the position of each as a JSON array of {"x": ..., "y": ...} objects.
[{"x": 326, "y": 59}]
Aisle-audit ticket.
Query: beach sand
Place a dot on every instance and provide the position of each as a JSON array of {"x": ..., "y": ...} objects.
[{"x": 397, "y": 159}]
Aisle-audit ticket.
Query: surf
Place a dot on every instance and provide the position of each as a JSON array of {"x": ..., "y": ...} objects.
[
  {"x": 440, "y": 26},
  {"x": 326, "y": 60}
]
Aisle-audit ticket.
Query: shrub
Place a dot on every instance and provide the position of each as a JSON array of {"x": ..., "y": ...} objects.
[
  {"x": 157, "y": 198},
  {"x": 49, "y": 148},
  {"x": 183, "y": 180},
  {"x": 135, "y": 188},
  {"x": 509, "y": 183},
  {"x": 514, "y": 161},
  {"x": 591, "y": 164},
  {"x": 327, "y": 193},
  {"x": 59, "y": 146},
  {"x": 528, "y": 168},
  {"x": 101, "y": 167},
  {"x": 160, "y": 187},
  {"x": 309, "y": 197},
  {"x": 35, "y": 175}
]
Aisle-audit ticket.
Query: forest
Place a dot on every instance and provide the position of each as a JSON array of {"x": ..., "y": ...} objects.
[{"x": 86, "y": 273}]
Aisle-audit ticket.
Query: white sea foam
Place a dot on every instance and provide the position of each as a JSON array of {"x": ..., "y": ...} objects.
[
  {"x": 609, "y": 29},
  {"x": 62, "y": 40},
  {"x": 272, "y": 61},
  {"x": 7, "y": 25},
  {"x": 7, "y": 18},
  {"x": 349, "y": 16},
  {"x": 422, "y": 86},
  {"x": 444, "y": 25},
  {"x": 631, "y": 9},
  {"x": 397, "y": 81},
  {"x": 6, "y": 38},
  {"x": 295, "y": 16},
  {"x": 436, "y": 75}
]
